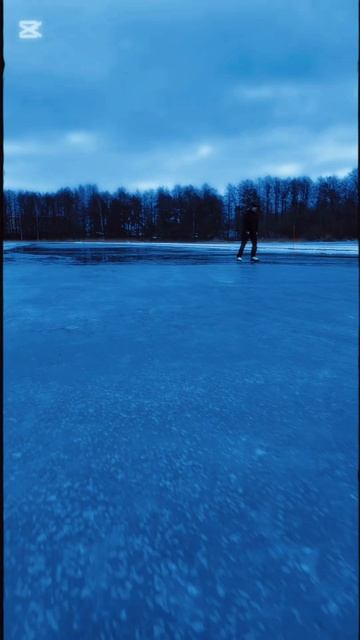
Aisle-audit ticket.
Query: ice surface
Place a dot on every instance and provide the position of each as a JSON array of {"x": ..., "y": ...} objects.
[
  {"x": 336, "y": 248},
  {"x": 180, "y": 444}
]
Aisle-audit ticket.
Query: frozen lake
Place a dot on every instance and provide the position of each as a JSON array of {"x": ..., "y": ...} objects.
[{"x": 180, "y": 442}]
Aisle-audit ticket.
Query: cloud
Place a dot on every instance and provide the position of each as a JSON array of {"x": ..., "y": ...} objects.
[
  {"x": 287, "y": 170},
  {"x": 192, "y": 155},
  {"x": 81, "y": 140},
  {"x": 276, "y": 91},
  {"x": 74, "y": 140},
  {"x": 205, "y": 150},
  {"x": 32, "y": 147},
  {"x": 281, "y": 151},
  {"x": 177, "y": 91}
]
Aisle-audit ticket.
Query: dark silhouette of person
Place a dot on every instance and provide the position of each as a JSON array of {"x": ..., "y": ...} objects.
[{"x": 249, "y": 231}]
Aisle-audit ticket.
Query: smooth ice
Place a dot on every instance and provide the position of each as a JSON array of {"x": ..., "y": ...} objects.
[{"x": 180, "y": 444}]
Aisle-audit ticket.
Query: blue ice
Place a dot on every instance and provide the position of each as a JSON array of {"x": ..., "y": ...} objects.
[{"x": 180, "y": 443}]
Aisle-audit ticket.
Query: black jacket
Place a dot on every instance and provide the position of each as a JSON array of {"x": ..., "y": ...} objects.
[{"x": 250, "y": 221}]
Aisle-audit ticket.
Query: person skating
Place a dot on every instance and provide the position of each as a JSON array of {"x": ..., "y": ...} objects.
[{"x": 249, "y": 231}]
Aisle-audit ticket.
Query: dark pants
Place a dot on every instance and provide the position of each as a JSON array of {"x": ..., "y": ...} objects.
[{"x": 245, "y": 236}]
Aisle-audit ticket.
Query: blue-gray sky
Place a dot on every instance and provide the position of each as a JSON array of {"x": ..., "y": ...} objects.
[{"x": 161, "y": 92}]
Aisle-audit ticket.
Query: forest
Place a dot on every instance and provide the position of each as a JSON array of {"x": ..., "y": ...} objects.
[{"x": 291, "y": 208}]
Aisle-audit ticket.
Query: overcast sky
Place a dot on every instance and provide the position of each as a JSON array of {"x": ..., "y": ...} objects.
[{"x": 161, "y": 92}]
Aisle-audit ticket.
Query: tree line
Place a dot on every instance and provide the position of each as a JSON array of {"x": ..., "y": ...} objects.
[{"x": 296, "y": 208}]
